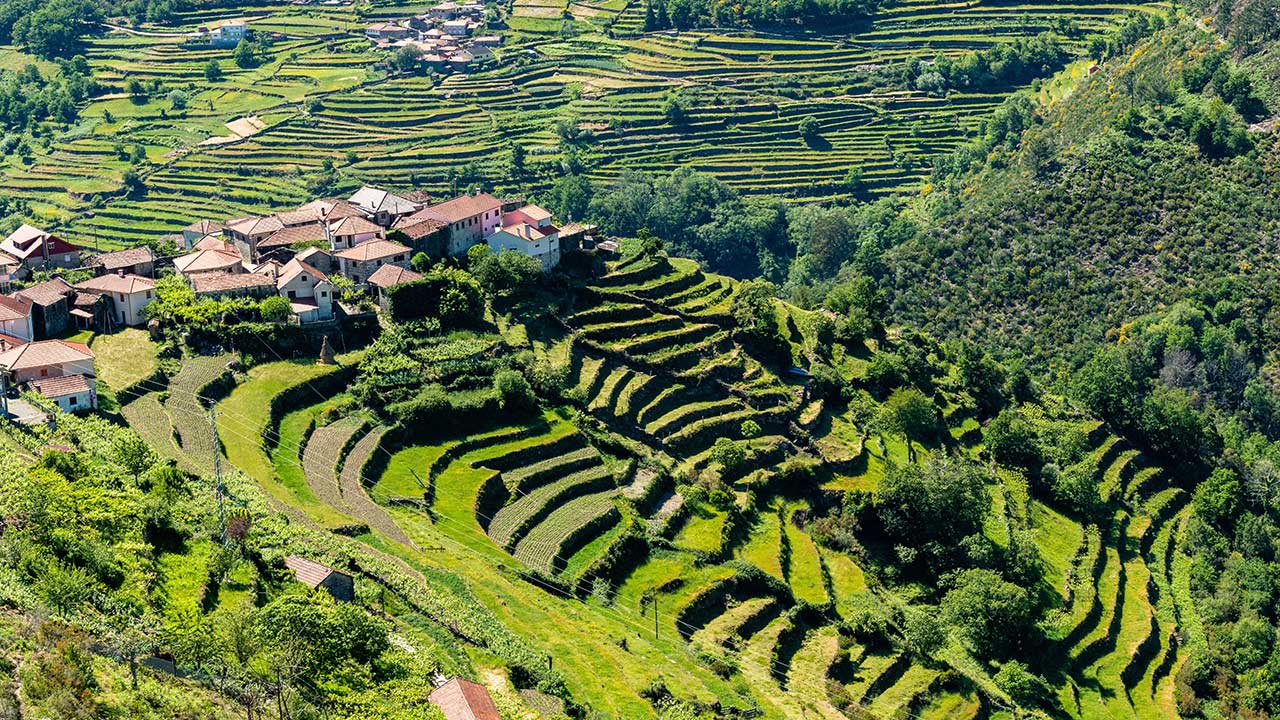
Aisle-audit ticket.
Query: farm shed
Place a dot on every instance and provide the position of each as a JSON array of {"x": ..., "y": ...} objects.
[{"x": 314, "y": 575}]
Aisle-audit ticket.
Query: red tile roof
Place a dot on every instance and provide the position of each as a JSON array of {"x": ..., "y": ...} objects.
[
  {"x": 353, "y": 226},
  {"x": 214, "y": 242},
  {"x": 9, "y": 342},
  {"x": 293, "y": 269},
  {"x": 419, "y": 228},
  {"x": 373, "y": 250},
  {"x": 49, "y": 292},
  {"x": 204, "y": 227},
  {"x": 207, "y": 283},
  {"x": 308, "y": 572},
  {"x": 294, "y": 234},
  {"x": 14, "y": 308},
  {"x": 462, "y": 699},
  {"x": 44, "y": 352},
  {"x": 61, "y": 386},
  {"x": 251, "y": 226},
  {"x": 127, "y": 284},
  {"x": 388, "y": 275},
  {"x": 461, "y": 208},
  {"x": 206, "y": 261},
  {"x": 123, "y": 259}
]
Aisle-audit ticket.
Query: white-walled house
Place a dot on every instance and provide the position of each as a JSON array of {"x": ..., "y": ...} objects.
[
  {"x": 351, "y": 231},
  {"x": 46, "y": 359},
  {"x": 309, "y": 292},
  {"x": 71, "y": 393},
  {"x": 15, "y": 318},
  {"x": 470, "y": 218},
  {"x": 129, "y": 294},
  {"x": 528, "y": 230}
]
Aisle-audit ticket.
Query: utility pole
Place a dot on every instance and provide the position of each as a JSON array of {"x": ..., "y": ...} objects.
[
  {"x": 217, "y": 475},
  {"x": 4, "y": 396},
  {"x": 655, "y": 616}
]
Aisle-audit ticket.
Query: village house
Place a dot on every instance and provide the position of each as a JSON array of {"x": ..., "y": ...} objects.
[
  {"x": 387, "y": 277},
  {"x": 215, "y": 242},
  {"x": 339, "y": 585},
  {"x": 199, "y": 230},
  {"x": 71, "y": 393},
  {"x": 283, "y": 244},
  {"x": 529, "y": 230},
  {"x": 320, "y": 259},
  {"x": 349, "y": 232},
  {"x": 228, "y": 34},
  {"x": 470, "y": 218},
  {"x": 460, "y": 699},
  {"x": 309, "y": 292},
  {"x": 247, "y": 232},
  {"x": 129, "y": 296},
  {"x": 457, "y": 28},
  {"x": 209, "y": 261},
  {"x": 46, "y": 359},
  {"x": 444, "y": 11},
  {"x": 51, "y": 304},
  {"x": 15, "y": 321},
  {"x": 138, "y": 260},
  {"x": 90, "y": 311},
  {"x": 428, "y": 235},
  {"x": 387, "y": 31},
  {"x": 238, "y": 285},
  {"x": 383, "y": 207},
  {"x": 361, "y": 261},
  {"x": 490, "y": 41},
  {"x": 36, "y": 249}
]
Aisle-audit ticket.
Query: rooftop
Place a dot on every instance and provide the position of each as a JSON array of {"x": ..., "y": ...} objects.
[
  {"x": 206, "y": 261},
  {"x": 49, "y": 292},
  {"x": 119, "y": 259},
  {"x": 61, "y": 386},
  {"x": 461, "y": 208},
  {"x": 44, "y": 352},
  {"x": 389, "y": 275},
  {"x": 462, "y": 699},
  {"x": 14, "y": 308},
  {"x": 224, "y": 282},
  {"x": 127, "y": 284},
  {"x": 27, "y": 242},
  {"x": 309, "y": 572},
  {"x": 373, "y": 250}
]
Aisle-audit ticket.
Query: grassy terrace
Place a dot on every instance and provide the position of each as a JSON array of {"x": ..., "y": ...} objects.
[{"x": 746, "y": 93}]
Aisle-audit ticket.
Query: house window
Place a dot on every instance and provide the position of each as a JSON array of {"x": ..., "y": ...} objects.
[
  {"x": 324, "y": 293},
  {"x": 44, "y": 372},
  {"x": 293, "y": 294},
  {"x": 73, "y": 400},
  {"x": 148, "y": 294}
]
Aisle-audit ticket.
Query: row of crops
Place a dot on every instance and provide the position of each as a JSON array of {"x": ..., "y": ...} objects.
[{"x": 745, "y": 95}]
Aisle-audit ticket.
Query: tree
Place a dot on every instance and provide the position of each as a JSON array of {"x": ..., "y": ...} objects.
[
  {"x": 133, "y": 453},
  {"x": 934, "y": 505},
  {"x": 570, "y": 197},
  {"x": 728, "y": 454},
  {"x": 914, "y": 416},
  {"x": 1217, "y": 498},
  {"x": 1012, "y": 442},
  {"x": 244, "y": 55},
  {"x": 212, "y": 71},
  {"x": 132, "y": 183},
  {"x": 1106, "y": 384},
  {"x": 135, "y": 89},
  {"x": 673, "y": 109},
  {"x": 274, "y": 309},
  {"x": 54, "y": 29},
  {"x": 406, "y": 59},
  {"x": 517, "y": 162},
  {"x": 420, "y": 262},
  {"x": 451, "y": 295},
  {"x": 992, "y": 617},
  {"x": 514, "y": 391},
  {"x": 177, "y": 99},
  {"x": 810, "y": 131}
]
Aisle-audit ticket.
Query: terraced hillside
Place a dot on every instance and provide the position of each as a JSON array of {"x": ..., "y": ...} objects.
[
  {"x": 322, "y": 99},
  {"x": 595, "y": 516}
]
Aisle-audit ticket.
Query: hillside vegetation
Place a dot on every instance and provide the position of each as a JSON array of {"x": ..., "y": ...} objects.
[{"x": 628, "y": 477}]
